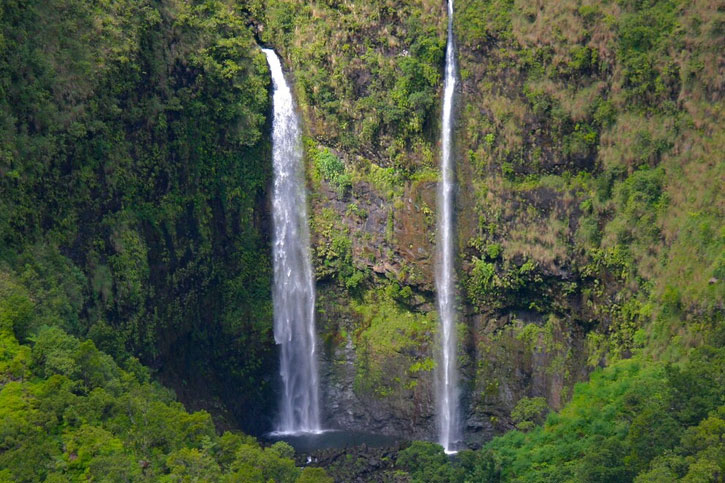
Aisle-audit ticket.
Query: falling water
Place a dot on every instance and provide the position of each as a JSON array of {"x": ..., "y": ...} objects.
[
  {"x": 294, "y": 292},
  {"x": 449, "y": 433}
]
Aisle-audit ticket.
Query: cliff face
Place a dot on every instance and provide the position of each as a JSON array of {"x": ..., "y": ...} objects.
[
  {"x": 378, "y": 333},
  {"x": 573, "y": 123},
  {"x": 134, "y": 168},
  {"x": 133, "y": 172},
  {"x": 367, "y": 76},
  {"x": 576, "y": 123}
]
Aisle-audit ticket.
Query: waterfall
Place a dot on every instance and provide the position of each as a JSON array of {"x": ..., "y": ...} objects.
[
  {"x": 447, "y": 397},
  {"x": 294, "y": 292}
]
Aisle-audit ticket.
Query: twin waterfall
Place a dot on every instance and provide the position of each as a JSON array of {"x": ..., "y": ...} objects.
[
  {"x": 449, "y": 427},
  {"x": 294, "y": 290},
  {"x": 294, "y": 293}
]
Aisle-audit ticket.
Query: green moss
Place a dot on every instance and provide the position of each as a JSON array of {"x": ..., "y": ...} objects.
[{"x": 387, "y": 331}]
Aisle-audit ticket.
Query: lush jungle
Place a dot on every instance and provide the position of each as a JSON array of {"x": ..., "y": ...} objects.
[{"x": 135, "y": 262}]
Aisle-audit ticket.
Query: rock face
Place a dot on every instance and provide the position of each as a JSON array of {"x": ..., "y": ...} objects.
[
  {"x": 392, "y": 236},
  {"x": 377, "y": 372},
  {"x": 346, "y": 409},
  {"x": 367, "y": 386},
  {"x": 520, "y": 334},
  {"x": 357, "y": 464},
  {"x": 542, "y": 286}
]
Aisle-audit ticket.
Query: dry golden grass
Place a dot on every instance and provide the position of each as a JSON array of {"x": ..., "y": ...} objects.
[
  {"x": 510, "y": 115},
  {"x": 703, "y": 21},
  {"x": 552, "y": 22},
  {"x": 631, "y": 137}
]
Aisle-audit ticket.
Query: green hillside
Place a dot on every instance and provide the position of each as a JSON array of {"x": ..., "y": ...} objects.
[
  {"x": 135, "y": 251},
  {"x": 134, "y": 171}
]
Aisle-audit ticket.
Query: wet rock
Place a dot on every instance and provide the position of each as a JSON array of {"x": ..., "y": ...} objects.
[{"x": 357, "y": 464}]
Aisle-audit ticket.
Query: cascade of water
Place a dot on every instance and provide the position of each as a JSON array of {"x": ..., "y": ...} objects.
[
  {"x": 449, "y": 431},
  {"x": 294, "y": 292}
]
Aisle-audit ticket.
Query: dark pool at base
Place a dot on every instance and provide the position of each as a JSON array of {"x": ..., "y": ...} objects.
[{"x": 333, "y": 439}]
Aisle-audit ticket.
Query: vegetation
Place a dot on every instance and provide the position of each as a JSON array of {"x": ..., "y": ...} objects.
[
  {"x": 590, "y": 222},
  {"x": 331, "y": 168},
  {"x": 70, "y": 413},
  {"x": 133, "y": 171},
  {"x": 134, "y": 164},
  {"x": 367, "y": 73},
  {"x": 585, "y": 138},
  {"x": 575, "y": 131},
  {"x": 388, "y": 342},
  {"x": 632, "y": 421},
  {"x": 577, "y": 126}
]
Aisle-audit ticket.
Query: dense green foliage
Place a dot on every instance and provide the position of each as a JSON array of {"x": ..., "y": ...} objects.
[
  {"x": 633, "y": 421},
  {"x": 133, "y": 172},
  {"x": 366, "y": 73},
  {"x": 68, "y": 412},
  {"x": 630, "y": 419}
]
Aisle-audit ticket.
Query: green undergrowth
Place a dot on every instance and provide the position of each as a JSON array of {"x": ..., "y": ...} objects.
[
  {"x": 333, "y": 252},
  {"x": 632, "y": 418},
  {"x": 392, "y": 343},
  {"x": 367, "y": 74},
  {"x": 68, "y": 412},
  {"x": 636, "y": 420},
  {"x": 133, "y": 172}
]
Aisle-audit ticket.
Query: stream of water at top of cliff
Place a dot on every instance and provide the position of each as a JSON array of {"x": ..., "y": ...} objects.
[
  {"x": 293, "y": 293},
  {"x": 447, "y": 392}
]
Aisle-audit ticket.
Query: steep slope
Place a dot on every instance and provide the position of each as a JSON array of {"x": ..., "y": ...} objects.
[
  {"x": 367, "y": 76},
  {"x": 590, "y": 197},
  {"x": 133, "y": 174},
  {"x": 594, "y": 139},
  {"x": 69, "y": 413},
  {"x": 134, "y": 167}
]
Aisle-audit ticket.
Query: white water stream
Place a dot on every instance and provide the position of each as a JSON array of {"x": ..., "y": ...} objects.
[
  {"x": 294, "y": 291},
  {"x": 447, "y": 393}
]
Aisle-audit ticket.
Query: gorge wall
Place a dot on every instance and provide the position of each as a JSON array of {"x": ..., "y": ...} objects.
[
  {"x": 135, "y": 172},
  {"x": 570, "y": 125},
  {"x": 135, "y": 168}
]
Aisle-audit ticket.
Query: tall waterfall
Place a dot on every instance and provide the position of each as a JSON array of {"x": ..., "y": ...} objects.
[
  {"x": 294, "y": 291},
  {"x": 447, "y": 397}
]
